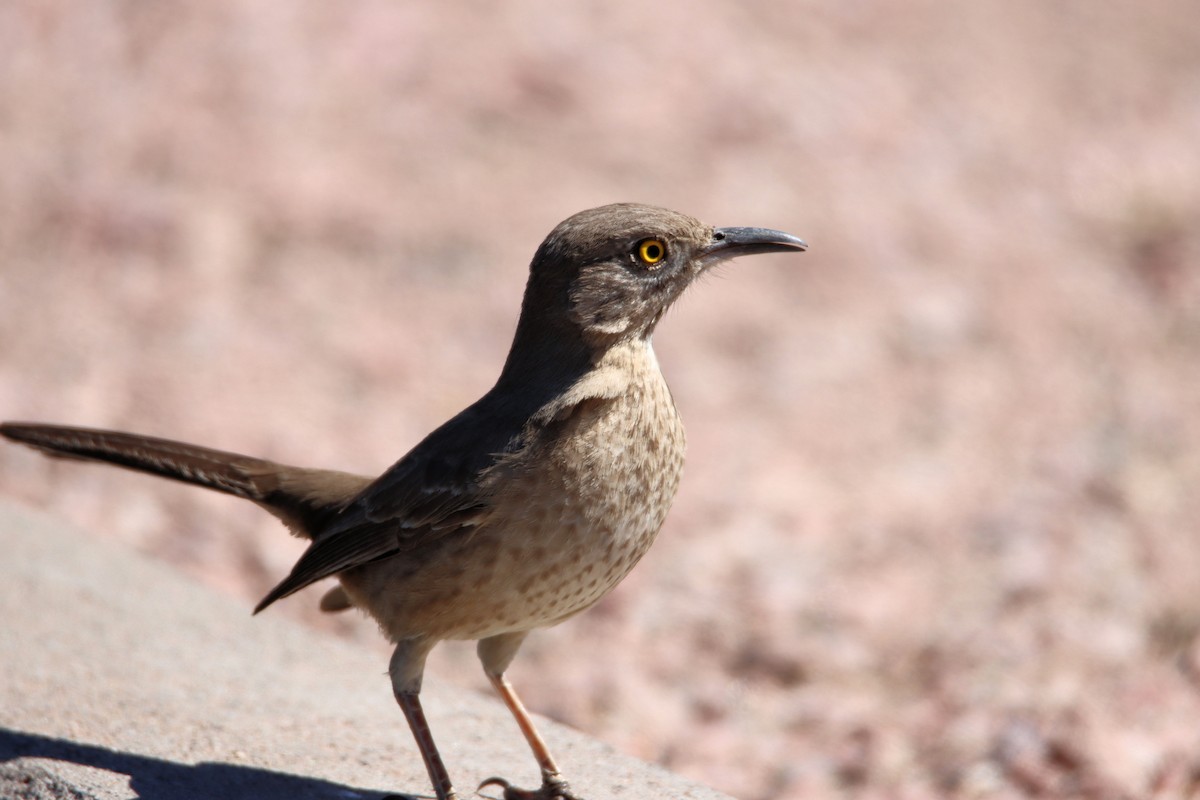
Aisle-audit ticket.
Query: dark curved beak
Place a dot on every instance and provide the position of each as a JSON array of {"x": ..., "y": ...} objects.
[{"x": 733, "y": 242}]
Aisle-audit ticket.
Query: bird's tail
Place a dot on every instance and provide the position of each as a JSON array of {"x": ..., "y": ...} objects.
[
  {"x": 302, "y": 498},
  {"x": 226, "y": 472}
]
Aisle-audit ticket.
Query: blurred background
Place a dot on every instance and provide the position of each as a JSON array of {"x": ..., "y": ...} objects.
[{"x": 938, "y": 531}]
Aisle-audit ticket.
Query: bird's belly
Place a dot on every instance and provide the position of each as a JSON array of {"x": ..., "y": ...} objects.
[{"x": 558, "y": 539}]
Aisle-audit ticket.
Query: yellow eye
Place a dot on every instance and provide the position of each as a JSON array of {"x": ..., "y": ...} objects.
[{"x": 652, "y": 251}]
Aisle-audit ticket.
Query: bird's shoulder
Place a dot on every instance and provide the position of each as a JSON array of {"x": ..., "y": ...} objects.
[{"x": 448, "y": 479}]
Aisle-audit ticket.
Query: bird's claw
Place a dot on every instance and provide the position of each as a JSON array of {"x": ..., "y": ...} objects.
[{"x": 553, "y": 788}]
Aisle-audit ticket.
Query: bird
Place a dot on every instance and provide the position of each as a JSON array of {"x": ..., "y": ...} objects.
[{"x": 521, "y": 511}]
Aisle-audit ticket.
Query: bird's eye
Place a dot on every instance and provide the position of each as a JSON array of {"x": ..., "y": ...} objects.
[{"x": 651, "y": 251}]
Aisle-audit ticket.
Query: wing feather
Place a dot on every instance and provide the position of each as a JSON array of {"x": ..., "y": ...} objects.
[{"x": 436, "y": 490}]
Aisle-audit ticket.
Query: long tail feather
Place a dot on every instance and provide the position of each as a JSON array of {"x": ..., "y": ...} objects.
[
  {"x": 215, "y": 469},
  {"x": 304, "y": 499}
]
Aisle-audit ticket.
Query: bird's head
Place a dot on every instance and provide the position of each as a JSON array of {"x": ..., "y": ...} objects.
[{"x": 611, "y": 272}]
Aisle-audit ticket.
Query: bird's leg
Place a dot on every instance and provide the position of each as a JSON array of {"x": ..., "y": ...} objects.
[
  {"x": 410, "y": 704},
  {"x": 406, "y": 669},
  {"x": 554, "y": 786},
  {"x": 496, "y": 653}
]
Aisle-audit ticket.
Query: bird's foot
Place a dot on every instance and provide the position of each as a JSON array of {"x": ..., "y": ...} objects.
[{"x": 553, "y": 788}]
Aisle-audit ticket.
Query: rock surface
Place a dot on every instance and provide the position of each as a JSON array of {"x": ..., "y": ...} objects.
[{"x": 123, "y": 679}]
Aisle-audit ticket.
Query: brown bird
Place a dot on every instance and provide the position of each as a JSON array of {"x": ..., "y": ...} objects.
[{"x": 524, "y": 509}]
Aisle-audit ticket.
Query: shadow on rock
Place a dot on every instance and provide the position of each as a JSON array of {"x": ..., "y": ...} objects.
[{"x": 153, "y": 778}]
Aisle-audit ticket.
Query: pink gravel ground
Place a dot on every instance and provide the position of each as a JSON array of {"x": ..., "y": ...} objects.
[{"x": 938, "y": 533}]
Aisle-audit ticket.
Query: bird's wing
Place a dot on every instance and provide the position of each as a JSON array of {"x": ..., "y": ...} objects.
[
  {"x": 445, "y": 484},
  {"x": 435, "y": 490}
]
